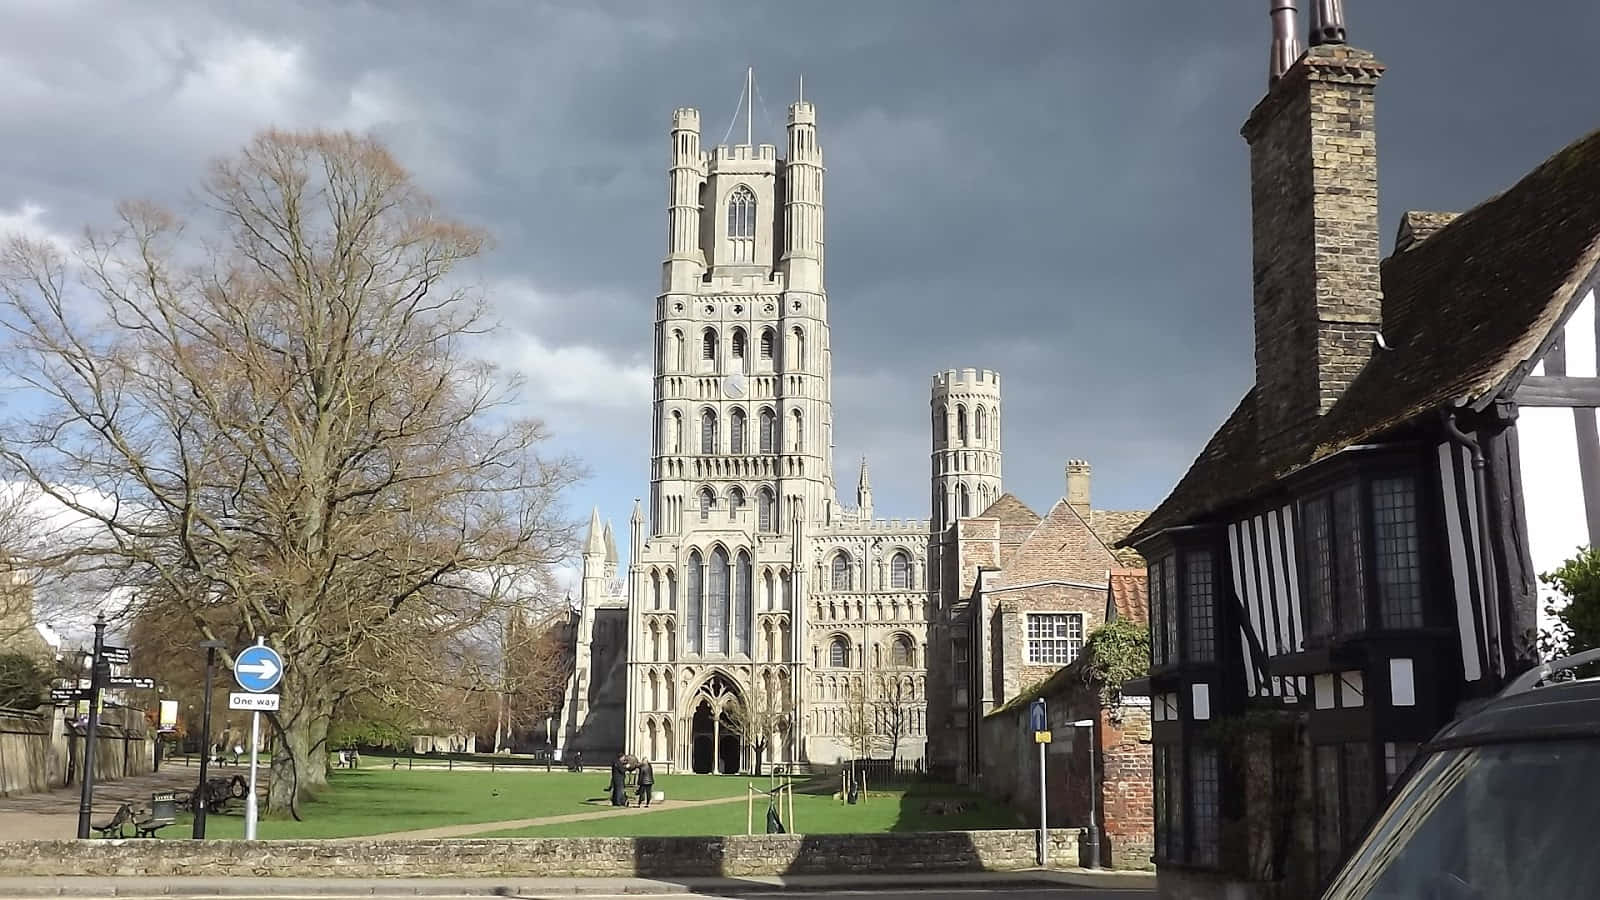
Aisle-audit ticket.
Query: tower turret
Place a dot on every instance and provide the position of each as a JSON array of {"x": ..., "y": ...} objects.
[
  {"x": 864, "y": 492},
  {"x": 594, "y": 558},
  {"x": 802, "y": 205},
  {"x": 966, "y": 443},
  {"x": 685, "y": 260}
]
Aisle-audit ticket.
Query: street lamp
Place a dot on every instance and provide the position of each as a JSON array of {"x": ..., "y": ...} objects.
[
  {"x": 1093, "y": 845},
  {"x": 199, "y": 801}
]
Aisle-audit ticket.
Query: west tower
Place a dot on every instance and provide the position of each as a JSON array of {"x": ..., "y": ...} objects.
[{"x": 966, "y": 444}]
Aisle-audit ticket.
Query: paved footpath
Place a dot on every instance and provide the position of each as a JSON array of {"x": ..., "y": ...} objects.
[
  {"x": 53, "y": 815},
  {"x": 456, "y": 831},
  {"x": 1061, "y": 883}
]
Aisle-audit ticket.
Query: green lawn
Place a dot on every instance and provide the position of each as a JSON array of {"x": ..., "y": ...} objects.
[
  {"x": 380, "y": 800},
  {"x": 813, "y": 814}
]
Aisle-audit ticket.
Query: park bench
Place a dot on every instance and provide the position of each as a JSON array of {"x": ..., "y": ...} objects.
[
  {"x": 163, "y": 812},
  {"x": 117, "y": 822}
]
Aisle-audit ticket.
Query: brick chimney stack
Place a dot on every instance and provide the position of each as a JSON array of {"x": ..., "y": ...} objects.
[{"x": 1314, "y": 212}]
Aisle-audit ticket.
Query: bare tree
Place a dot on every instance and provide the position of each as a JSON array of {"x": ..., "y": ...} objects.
[
  {"x": 862, "y": 724},
  {"x": 513, "y": 668},
  {"x": 895, "y": 704},
  {"x": 759, "y": 718},
  {"x": 276, "y": 428}
]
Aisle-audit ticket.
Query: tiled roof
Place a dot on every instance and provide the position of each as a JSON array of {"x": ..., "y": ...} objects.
[
  {"x": 1130, "y": 595},
  {"x": 1112, "y": 525},
  {"x": 1017, "y": 521},
  {"x": 1464, "y": 312},
  {"x": 1061, "y": 547}
]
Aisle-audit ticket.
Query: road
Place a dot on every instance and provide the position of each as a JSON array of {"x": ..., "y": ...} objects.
[{"x": 1010, "y": 892}]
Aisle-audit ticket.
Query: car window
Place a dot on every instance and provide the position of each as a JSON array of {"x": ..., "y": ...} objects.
[{"x": 1500, "y": 822}]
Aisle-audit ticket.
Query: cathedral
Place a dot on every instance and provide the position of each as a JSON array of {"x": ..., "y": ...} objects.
[{"x": 749, "y": 585}]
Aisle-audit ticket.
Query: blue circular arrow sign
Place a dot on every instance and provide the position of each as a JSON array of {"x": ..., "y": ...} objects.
[{"x": 258, "y": 669}]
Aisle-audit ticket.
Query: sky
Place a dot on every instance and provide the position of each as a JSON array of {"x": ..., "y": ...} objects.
[{"x": 1054, "y": 189}]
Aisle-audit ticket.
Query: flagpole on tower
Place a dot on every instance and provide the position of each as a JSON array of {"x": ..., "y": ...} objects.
[{"x": 749, "y": 104}]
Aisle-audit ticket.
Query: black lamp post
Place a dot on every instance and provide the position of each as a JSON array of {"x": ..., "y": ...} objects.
[
  {"x": 199, "y": 801},
  {"x": 96, "y": 682}
]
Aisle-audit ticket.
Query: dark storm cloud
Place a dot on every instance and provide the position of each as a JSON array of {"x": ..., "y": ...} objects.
[{"x": 1051, "y": 188}]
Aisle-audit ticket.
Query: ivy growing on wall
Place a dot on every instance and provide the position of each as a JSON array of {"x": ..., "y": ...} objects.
[{"x": 1118, "y": 652}]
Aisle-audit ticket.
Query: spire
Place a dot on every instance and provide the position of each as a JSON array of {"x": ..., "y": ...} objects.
[
  {"x": 864, "y": 483},
  {"x": 611, "y": 545},
  {"x": 864, "y": 491},
  {"x": 638, "y": 512},
  {"x": 596, "y": 542}
]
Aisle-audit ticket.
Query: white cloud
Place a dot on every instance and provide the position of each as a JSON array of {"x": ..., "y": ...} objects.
[{"x": 27, "y": 220}]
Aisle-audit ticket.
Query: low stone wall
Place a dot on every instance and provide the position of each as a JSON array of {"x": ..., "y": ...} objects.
[{"x": 780, "y": 854}]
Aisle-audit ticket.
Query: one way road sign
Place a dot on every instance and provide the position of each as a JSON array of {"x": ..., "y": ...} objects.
[{"x": 258, "y": 669}]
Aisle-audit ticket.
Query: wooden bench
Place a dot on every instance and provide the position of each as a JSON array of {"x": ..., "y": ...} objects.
[
  {"x": 119, "y": 821},
  {"x": 163, "y": 812}
]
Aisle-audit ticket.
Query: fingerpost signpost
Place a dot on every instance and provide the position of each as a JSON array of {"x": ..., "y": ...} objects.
[{"x": 258, "y": 670}]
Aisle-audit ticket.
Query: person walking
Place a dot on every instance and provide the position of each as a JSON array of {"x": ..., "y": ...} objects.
[
  {"x": 619, "y": 781},
  {"x": 647, "y": 782}
]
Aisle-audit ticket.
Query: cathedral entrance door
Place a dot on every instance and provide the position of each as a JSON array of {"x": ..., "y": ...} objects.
[{"x": 701, "y": 739}]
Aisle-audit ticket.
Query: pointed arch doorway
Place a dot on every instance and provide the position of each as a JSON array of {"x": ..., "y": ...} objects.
[{"x": 714, "y": 741}]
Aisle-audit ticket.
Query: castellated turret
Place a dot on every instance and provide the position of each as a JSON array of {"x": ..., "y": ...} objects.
[{"x": 966, "y": 443}]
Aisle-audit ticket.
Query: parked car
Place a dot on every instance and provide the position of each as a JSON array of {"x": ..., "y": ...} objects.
[{"x": 1500, "y": 804}]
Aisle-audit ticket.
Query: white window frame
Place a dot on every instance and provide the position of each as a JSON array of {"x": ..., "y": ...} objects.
[{"x": 1047, "y": 644}]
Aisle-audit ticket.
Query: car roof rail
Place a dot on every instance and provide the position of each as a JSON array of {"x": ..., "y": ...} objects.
[{"x": 1542, "y": 672}]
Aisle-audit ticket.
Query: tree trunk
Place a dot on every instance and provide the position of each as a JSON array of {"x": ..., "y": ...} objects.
[{"x": 300, "y": 754}]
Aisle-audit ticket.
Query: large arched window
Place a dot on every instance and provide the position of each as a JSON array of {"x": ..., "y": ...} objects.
[
  {"x": 769, "y": 431},
  {"x": 743, "y": 607},
  {"x": 961, "y": 425},
  {"x": 964, "y": 501},
  {"x": 708, "y": 345},
  {"x": 796, "y": 432},
  {"x": 900, "y": 571},
  {"x": 797, "y": 350},
  {"x": 718, "y": 600},
  {"x": 675, "y": 433},
  {"x": 738, "y": 345},
  {"x": 735, "y": 502},
  {"x": 708, "y": 431},
  {"x": 742, "y": 224},
  {"x": 675, "y": 350},
  {"x": 655, "y": 589},
  {"x": 839, "y": 652},
  {"x": 767, "y": 339},
  {"x": 980, "y": 424},
  {"x": 901, "y": 653},
  {"x": 697, "y": 602},
  {"x": 707, "y": 500},
  {"x": 786, "y": 589},
  {"x": 736, "y": 431},
  {"x": 842, "y": 573},
  {"x": 765, "y": 514}
]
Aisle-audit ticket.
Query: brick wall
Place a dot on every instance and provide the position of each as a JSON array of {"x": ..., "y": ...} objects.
[
  {"x": 1122, "y": 758},
  {"x": 755, "y": 855},
  {"x": 1016, "y": 673}
]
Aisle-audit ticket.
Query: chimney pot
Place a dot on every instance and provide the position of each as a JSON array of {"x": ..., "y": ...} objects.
[
  {"x": 1327, "y": 22},
  {"x": 1078, "y": 472},
  {"x": 1285, "y": 37}
]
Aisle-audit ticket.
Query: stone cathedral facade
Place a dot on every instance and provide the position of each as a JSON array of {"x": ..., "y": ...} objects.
[{"x": 747, "y": 578}]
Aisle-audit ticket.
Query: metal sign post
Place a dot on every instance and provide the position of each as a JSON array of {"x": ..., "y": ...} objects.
[
  {"x": 258, "y": 669},
  {"x": 200, "y": 800},
  {"x": 96, "y": 682},
  {"x": 1040, "y": 726}
]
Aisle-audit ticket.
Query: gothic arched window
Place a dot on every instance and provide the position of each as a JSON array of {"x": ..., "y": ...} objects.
[
  {"x": 841, "y": 571},
  {"x": 742, "y": 224},
  {"x": 707, "y": 500},
  {"x": 708, "y": 345},
  {"x": 980, "y": 424},
  {"x": 767, "y": 340},
  {"x": 839, "y": 653},
  {"x": 708, "y": 431},
  {"x": 796, "y": 432},
  {"x": 738, "y": 344},
  {"x": 769, "y": 431},
  {"x": 717, "y": 612},
  {"x": 964, "y": 500},
  {"x": 743, "y": 607},
  {"x": 764, "y": 511},
  {"x": 735, "y": 502},
  {"x": 797, "y": 359},
  {"x": 697, "y": 601},
  {"x": 675, "y": 433},
  {"x": 961, "y": 425},
  {"x": 900, "y": 571},
  {"x": 736, "y": 432},
  {"x": 901, "y": 653},
  {"x": 675, "y": 350}
]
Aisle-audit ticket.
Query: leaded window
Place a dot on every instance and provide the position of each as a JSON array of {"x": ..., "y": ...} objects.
[
  {"x": 743, "y": 586},
  {"x": 695, "y": 579},
  {"x": 736, "y": 431},
  {"x": 900, "y": 571},
  {"x": 707, "y": 500},
  {"x": 764, "y": 511},
  {"x": 839, "y": 653},
  {"x": 901, "y": 654},
  {"x": 1201, "y": 597},
  {"x": 735, "y": 502},
  {"x": 1351, "y": 573},
  {"x": 1054, "y": 639},
  {"x": 1396, "y": 557},
  {"x": 769, "y": 431},
  {"x": 718, "y": 602},
  {"x": 1158, "y": 611},
  {"x": 842, "y": 574},
  {"x": 742, "y": 224},
  {"x": 1319, "y": 565},
  {"x": 1169, "y": 602},
  {"x": 1345, "y": 799},
  {"x": 708, "y": 432},
  {"x": 1206, "y": 812}
]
